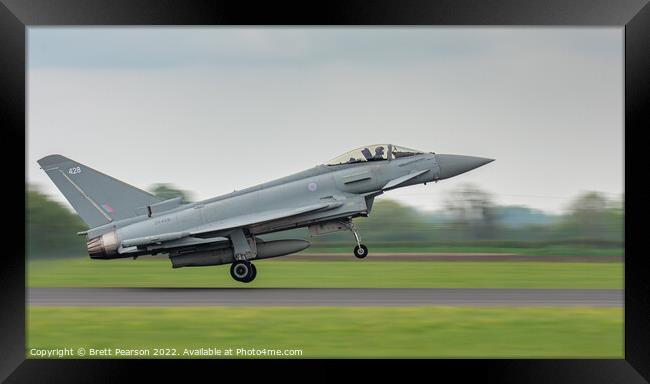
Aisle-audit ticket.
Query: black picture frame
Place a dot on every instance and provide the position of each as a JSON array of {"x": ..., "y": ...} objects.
[{"x": 633, "y": 15}]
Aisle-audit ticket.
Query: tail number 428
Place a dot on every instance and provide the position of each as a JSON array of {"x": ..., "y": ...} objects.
[{"x": 74, "y": 170}]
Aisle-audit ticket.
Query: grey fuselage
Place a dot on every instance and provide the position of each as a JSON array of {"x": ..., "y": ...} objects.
[{"x": 353, "y": 185}]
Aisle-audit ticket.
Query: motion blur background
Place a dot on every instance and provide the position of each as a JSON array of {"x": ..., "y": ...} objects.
[
  {"x": 592, "y": 225},
  {"x": 198, "y": 112}
]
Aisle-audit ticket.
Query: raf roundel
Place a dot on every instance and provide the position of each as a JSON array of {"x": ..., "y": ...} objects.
[{"x": 312, "y": 186}]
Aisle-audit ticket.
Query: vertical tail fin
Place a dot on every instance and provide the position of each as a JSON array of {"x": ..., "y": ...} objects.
[{"x": 97, "y": 198}]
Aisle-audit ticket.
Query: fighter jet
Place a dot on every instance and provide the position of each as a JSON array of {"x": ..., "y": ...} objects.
[{"x": 125, "y": 221}]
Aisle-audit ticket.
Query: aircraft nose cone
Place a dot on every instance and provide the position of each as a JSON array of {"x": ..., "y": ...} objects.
[{"x": 452, "y": 165}]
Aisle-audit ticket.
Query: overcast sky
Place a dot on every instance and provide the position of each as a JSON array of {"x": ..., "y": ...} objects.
[{"x": 217, "y": 109}]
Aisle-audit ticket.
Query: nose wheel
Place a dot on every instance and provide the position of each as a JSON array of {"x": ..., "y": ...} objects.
[
  {"x": 360, "y": 251},
  {"x": 243, "y": 271}
]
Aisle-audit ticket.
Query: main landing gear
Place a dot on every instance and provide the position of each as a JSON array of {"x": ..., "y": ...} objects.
[
  {"x": 360, "y": 251},
  {"x": 243, "y": 271},
  {"x": 243, "y": 249}
]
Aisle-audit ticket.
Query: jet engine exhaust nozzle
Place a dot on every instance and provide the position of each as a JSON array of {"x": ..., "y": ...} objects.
[{"x": 103, "y": 247}]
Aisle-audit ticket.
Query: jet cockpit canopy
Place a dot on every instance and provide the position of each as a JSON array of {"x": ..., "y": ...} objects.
[{"x": 376, "y": 152}]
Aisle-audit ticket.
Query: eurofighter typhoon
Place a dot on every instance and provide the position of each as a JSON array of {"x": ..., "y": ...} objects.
[{"x": 125, "y": 221}]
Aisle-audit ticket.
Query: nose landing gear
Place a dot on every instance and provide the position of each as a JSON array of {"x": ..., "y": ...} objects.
[
  {"x": 243, "y": 271},
  {"x": 360, "y": 251}
]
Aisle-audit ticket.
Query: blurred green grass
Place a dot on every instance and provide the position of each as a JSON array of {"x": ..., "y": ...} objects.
[
  {"x": 339, "y": 332},
  {"x": 157, "y": 272}
]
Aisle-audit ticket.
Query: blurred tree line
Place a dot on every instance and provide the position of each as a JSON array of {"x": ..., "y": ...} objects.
[
  {"x": 469, "y": 217},
  {"x": 51, "y": 227},
  {"x": 169, "y": 191}
]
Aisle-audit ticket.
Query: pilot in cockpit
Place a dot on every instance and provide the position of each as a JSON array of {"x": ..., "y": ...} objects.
[
  {"x": 366, "y": 153},
  {"x": 379, "y": 153}
]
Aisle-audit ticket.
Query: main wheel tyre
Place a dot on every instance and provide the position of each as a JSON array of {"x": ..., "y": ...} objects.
[
  {"x": 360, "y": 251},
  {"x": 240, "y": 270},
  {"x": 253, "y": 274}
]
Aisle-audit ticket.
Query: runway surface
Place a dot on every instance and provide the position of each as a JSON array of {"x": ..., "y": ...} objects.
[{"x": 172, "y": 297}]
